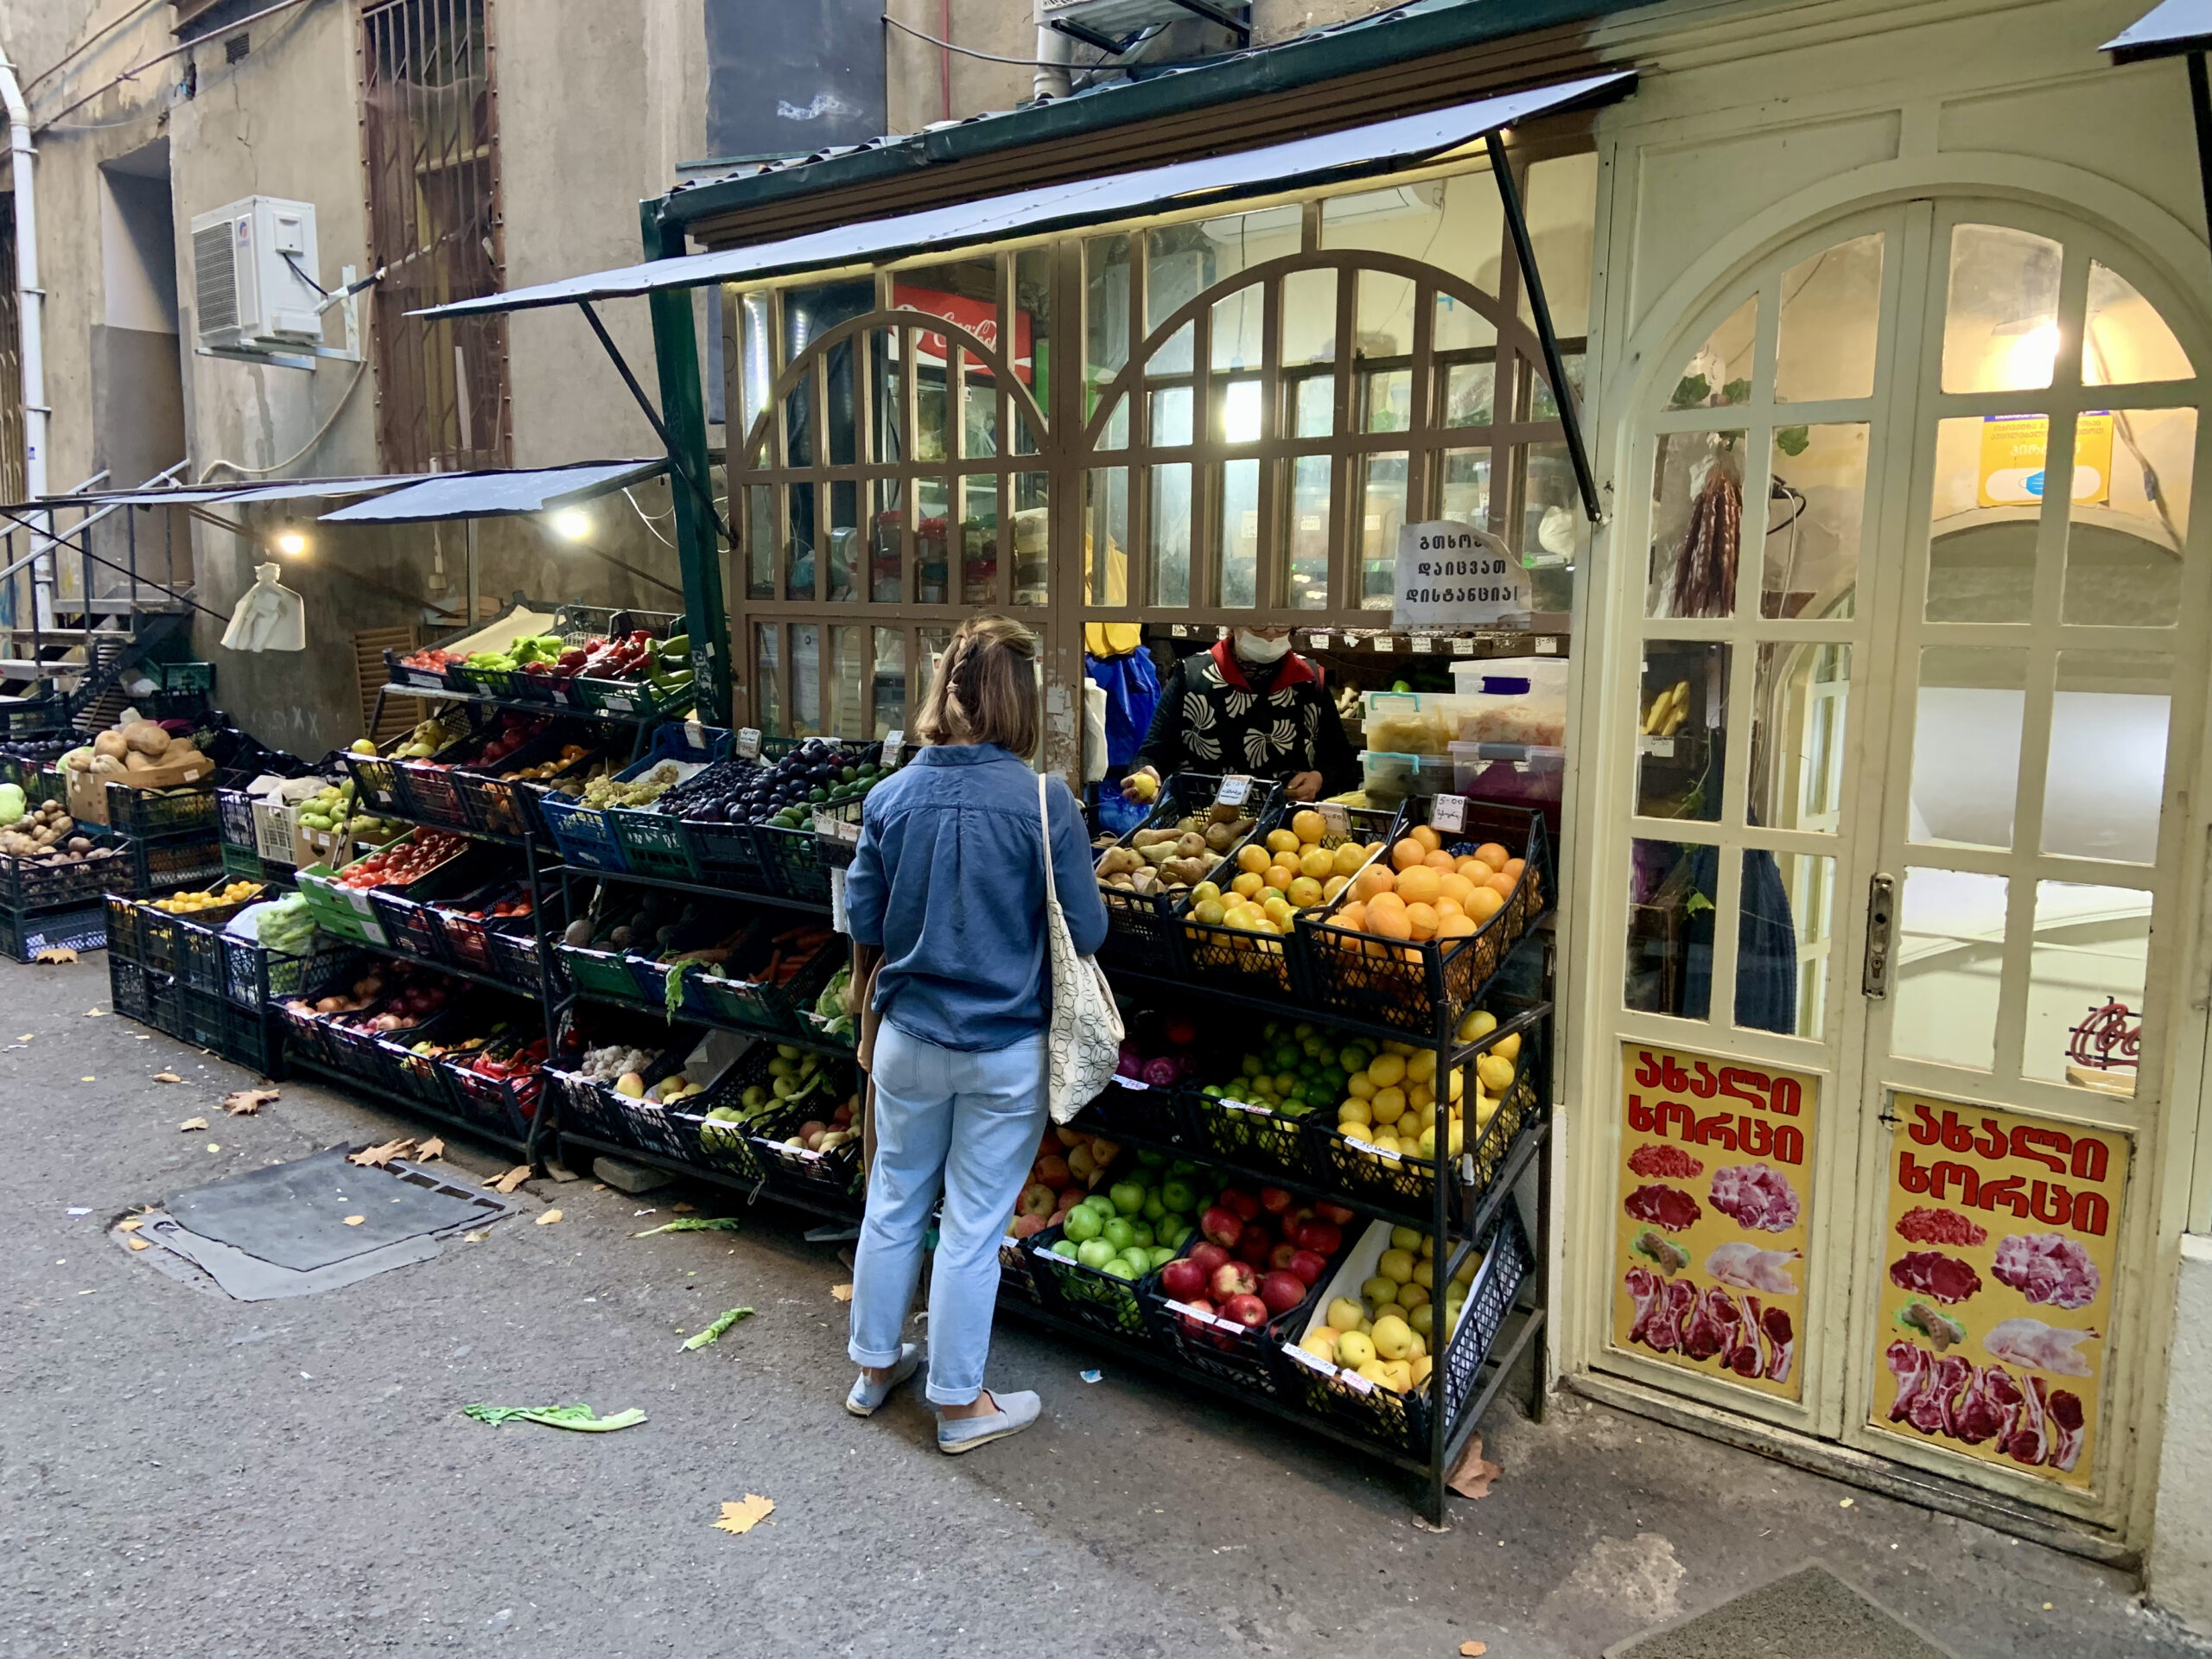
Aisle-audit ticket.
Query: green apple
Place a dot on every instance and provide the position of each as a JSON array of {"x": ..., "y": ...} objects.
[
  {"x": 1128, "y": 1197},
  {"x": 1064, "y": 1249},
  {"x": 1083, "y": 1224},
  {"x": 1143, "y": 1234},
  {"x": 1154, "y": 1207},
  {"x": 1175, "y": 1195},
  {"x": 1173, "y": 1231},
  {"x": 1121, "y": 1267},
  {"x": 1159, "y": 1256},
  {"x": 1095, "y": 1253},
  {"x": 1103, "y": 1205},
  {"x": 1120, "y": 1233}
]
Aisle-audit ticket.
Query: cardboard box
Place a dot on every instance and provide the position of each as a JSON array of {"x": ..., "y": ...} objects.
[{"x": 88, "y": 790}]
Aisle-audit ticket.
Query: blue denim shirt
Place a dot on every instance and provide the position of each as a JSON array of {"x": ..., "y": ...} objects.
[{"x": 949, "y": 881}]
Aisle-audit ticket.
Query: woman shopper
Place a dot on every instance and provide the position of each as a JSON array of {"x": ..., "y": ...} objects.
[{"x": 949, "y": 880}]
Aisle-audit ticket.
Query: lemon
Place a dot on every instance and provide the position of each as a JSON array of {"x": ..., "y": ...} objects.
[
  {"x": 1420, "y": 1065},
  {"x": 1386, "y": 1069},
  {"x": 1208, "y": 912},
  {"x": 1282, "y": 841},
  {"x": 1353, "y": 1114},
  {"x": 1479, "y": 1022}
]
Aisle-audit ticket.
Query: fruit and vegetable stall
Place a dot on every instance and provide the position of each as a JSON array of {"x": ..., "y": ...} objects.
[{"x": 578, "y": 925}]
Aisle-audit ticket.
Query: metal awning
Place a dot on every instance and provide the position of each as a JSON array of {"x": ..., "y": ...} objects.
[
  {"x": 295, "y": 489},
  {"x": 498, "y": 494},
  {"x": 2176, "y": 27},
  {"x": 1354, "y": 152}
]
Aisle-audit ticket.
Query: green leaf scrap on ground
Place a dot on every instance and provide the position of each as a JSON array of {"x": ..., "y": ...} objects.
[
  {"x": 713, "y": 1333},
  {"x": 578, "y": 1416},
  {"x": 695, "y": 1224}
]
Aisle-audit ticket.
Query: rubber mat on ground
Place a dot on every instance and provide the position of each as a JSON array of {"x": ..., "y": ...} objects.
[
  {"x": 1811, "y": 1614},
  {"x": 299, "y": 1215}
]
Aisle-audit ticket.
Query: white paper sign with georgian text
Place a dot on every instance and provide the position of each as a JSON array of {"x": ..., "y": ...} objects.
[{"x": 1452, "y": 574}]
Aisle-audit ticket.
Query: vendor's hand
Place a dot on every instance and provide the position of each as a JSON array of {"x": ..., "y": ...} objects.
[
  {"x": 1303, "y": 786},
  {"x": 1142, "y": 784}
]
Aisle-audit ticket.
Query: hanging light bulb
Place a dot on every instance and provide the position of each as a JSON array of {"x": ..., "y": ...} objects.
[
  {"x": 572, "y": 524},
  {"x": 291, "y": 542}
]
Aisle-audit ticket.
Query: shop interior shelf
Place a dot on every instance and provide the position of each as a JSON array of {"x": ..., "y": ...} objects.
[
  {"x": 705, "y": 889},
  {"x": 521, "y": 706},
  {"x": 454, "y": 970}
]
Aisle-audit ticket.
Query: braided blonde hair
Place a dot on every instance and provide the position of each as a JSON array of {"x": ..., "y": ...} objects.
[{"x": 986, "y": 690}]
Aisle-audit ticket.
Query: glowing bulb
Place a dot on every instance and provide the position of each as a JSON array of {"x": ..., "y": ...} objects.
[
  {"x": 291, "y": 542},
  {"x": 2031, "y": 355},
  {"x": 1240, "y": 412},
  {"x": 572, "y": 523}
]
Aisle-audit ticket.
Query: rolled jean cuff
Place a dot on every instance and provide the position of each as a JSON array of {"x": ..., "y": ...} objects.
[
  {"x": 860, "y": 1355},
  {"x": 938, "y": 1396}
]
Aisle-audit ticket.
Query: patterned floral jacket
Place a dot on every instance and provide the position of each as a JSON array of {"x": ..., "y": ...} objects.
[{"x": 1212, "y": 718}]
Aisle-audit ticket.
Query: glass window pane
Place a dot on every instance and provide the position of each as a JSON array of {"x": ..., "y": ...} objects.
[
  {"x": 1466, "y": 487},
  {"x": 1553, "y": 530},
  {"x": 1033, "y": 537},
  {"x": 810, "y": 312},
  {"x": 1831, "y": 310},
  {"x": 1106, "y": 534},
  {"x": 2128, "y": 522},
  {"x": 1169, "y": 553},
  {"x": 932, "y": 432},
  {"x": 2106, "y": 780},
  {"x": 1672, "y": 887},
  {"x": 1966, "y": 746},
  {"x": 2000, "y": 325},
  {"x": 842, "y": 422},
  {"x": 887, "y": 543},
  {"x": 1238, "y": 328},
  {"x": 931, "y": 643},
  {"x": 1797, "y": 737},
  {"x": 1175, "y": 352},
  {"x": 755, "y": 372},
  {"x": 806, "y": 679},
  {"x": 1981, "y": 563},
  {"x": 798, "y": 557},
  {"x": 1239, "y": 534},
  {"x": 1559, "y": 197},
  {"x": 1032, "y": 329},
  {"x": 979, "y": 436},
  {"x": 932, "y": 541},
  {"x": 1470, "y": 393},
  {"x": 1458, "y": 328},
  {"x": 1106, "y": 312},
  {"x": 1697, "y": 524},
  {"x": 1719, "y": 372},
  {"x": 1681, "y": 729},
  {"x": 1949, "y": 958},
  {"x": 979, "y": 540},
  {"x": 2125, "y": 340},
  {"x": 1542, "y": 406},
  {"x": 1815, "y": 511},
  {"x": 1383, "y": 322},
  {"x": 1314, "y": 404},
  {"x": 889, "y": 419},
  {"x": 1171, "y": 417},
  {"x": 760, "y": 543},
  {"x": 890, "y": 682},
  {"x": 2090, "y": 948},
  {"x": 845, "y": 573},
  {"x": 1181, "y": 263},
  {"x": 767, "y": 678},
  {"x": 1239, "y": 414},
  {"x": 1309, "y": 317},
  {"x": 798, "y": 423},
  {"x": 1115, "y": 434},
  {"x": 851, "y": 663},
  {"x": 1380, "y": 511},
  {"x": 1307, "y": 536},
  {"x": 1785, "y": 936},
  {"x": 1387, "y": 399},
  {"x": 1456, "y": 224}
]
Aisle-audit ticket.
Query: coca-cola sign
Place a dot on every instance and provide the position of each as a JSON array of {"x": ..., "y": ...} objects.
[{"x": 979, "y": 318}]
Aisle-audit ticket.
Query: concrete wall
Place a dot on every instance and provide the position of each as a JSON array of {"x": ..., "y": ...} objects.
[{"x": 2179, "y": 1572}]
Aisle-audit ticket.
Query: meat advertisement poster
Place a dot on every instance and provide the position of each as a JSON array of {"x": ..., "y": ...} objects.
[
  {"x": 1713, "y": 1216},
  {"x": 1997, "y": 1278}
]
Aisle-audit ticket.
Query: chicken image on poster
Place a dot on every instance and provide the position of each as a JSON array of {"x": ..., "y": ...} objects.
[
  {"x": 1997, "y": 1283},
  {"x": 1713, "y": 1216}
]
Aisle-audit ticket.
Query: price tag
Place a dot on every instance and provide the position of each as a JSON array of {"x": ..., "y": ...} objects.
[
  {"x": 1235, "y": 789},
  {"x": 1547, "y": 646},
  {"x": 618, "y": 703},
  {"x": 1335, "y": 820},
  {"x": 374, "y": 930},
  {"x": 1462, "y": 647},
  {"x": 893, "y": 740},
  {"x": 1423, "y": 645},
  {"x": 1385, "y": 644},
  {"x": 1317, "y": 642},
  {"x": 748, "y": 743},
  {"x": 1448, "y": 815},
  {"x": 1132, "y": 1082},
  {"x": 839, "y": 921}
]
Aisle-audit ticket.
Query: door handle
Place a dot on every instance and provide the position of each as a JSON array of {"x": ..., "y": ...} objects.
[{"x": 1881, "y": 921}]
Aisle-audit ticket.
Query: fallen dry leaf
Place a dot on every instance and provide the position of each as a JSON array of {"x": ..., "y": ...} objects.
[
  {"x": 55, "y": 953},
  {"x": 245, "y": 1102},
  {"x": 508, "y": 1182},
  {"x": 476, "y": 1237},
  {"x": 1473, "y": 1476},
  {"x": 679, "y": 1209},
  {"x": 190, "y": 1123},
  {"x": 132, "y": 1224},
  {"x": 214, "y": 1146},
  {"x": 378, "y": 1156},
  {"x": 26, "y": 1036},
  {"x": 431, "y": 1148},
  {"x": 843, "y": 1293},
  {"x": 95, "y": 1013},
  {"x": 166, "y": 1076},
  {"x": 743, "y": 1517},
  {"x": 1473, "y": 1649},
  {"x": 138, "y": 1244},
  {"x": 549, "y": 1219},
  {"x": 355, "y": 1221}
]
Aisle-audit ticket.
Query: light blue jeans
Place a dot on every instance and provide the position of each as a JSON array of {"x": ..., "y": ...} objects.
[{"x": 967, "y": 1125}]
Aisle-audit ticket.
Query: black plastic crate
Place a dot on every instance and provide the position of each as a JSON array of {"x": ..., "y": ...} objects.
[
  {"x": 159, "y": 866},
  {"x": 1248, "y": 1356},
  {"x": 1018, "y": 1274},
  {"x": 1141, "y": 930},
  {"x": 201, "y": 963},
  {"x": 247, "y": 1037},
  {"x": 500, "y": 804},
  {"x": 1400, "y": 1421},
  {"x": 791, "y": 860},
  {"x": 144, "y": 812},
  {"x": 759, "y": 1006},
  {"x": 514, "y": 951},
  {"x": 1417, "y": 986},
  {"x": 1400, "y": 1186},
  {"x": 1248, "y": 1134},
  {"x": 1259, "y": 964},
  {"x": 1132, "y": 1108},
  {"x": 234, "y": 821},
  {"x": 122, "y": 938},
  {"x": 160, "y": 933},
  {"x": 255, "y": 976},
  {"x": 130, "y": 990},
  {"x": 50, "y": 883},
  {"x": 831, "y": 1179},
  {"x": 503, "y": 1107},
  {"x": 1088, "y": 1296},
  {"x": 398, "y": 672},
  {"x": 23, "y": 936}
]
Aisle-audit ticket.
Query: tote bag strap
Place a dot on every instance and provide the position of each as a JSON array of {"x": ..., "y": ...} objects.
[{"x": 1044, "y": 815}]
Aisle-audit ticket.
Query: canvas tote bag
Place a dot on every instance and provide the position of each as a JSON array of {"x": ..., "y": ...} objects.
[{"x": 1083, "y": 1039}]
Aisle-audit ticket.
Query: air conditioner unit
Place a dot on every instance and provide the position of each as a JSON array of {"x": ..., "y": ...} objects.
[{"x": 253, "y": 277}]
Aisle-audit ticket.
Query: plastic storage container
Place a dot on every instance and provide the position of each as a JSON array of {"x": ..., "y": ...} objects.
[
  {"x": 1512, "y": 700},
  {"x": 1514, "y": 773}
]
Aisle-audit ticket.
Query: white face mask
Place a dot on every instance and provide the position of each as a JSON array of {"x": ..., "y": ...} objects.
[{"x": 1252, "y": 648}]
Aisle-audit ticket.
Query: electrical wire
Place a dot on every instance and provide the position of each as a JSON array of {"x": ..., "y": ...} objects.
[
  {"x": 89, "y": 42},
  {"x": 321, "y": 432},
  {"x": 989, "y": 57},
  {"x": 133, "y": 72}
]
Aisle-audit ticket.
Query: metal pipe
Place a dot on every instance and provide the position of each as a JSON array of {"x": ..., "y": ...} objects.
[
  {"x": 30, "y": 296},
  {"x": 1055, "y": 52}
]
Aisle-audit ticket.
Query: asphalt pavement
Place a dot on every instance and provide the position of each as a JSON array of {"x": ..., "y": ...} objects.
[{"x": 185, "y": 1476}]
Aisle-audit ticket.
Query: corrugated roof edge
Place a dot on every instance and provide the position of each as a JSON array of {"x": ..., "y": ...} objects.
[{"x": 1365, "y": 43}]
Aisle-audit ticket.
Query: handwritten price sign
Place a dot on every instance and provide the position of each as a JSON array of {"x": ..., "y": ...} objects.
[{"x": 1452, "y": 574}]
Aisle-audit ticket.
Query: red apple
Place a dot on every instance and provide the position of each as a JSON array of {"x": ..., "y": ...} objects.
[
  {"x": 1280, "y": 1257},
  {"x": 1072, "y": 1194},
  {"x": 1049, "y": 1147},
  {"x": 1184, "y": 1279},
  {"x": 1242, "y": 1203},
  {"x": 1056, "y": 1218},
  {"x": 1234, "y": 1279},
  {"x": 1253, "y": 1247},
  {"x": 1053, "y": 1170},
  {"x": 1029, "y": 1226},
  {"x": 1221, "y": 1226},
  {"x": 1294, "y": 1218},
  {"x": 1309, "y": 1266},
  {"x": 1273, "y": 1200},
  {"x": 1248, "y": 1311},
  {"x": 1281, "y": 1292},
  {"x": 1322, "y": 1237},
  {"x": 1209, "y": 1256},
  {"x": 1036, "y": 1200},
  {"x": 1197, "y": 1305},
  {"x": 1335, "y": 1212}
]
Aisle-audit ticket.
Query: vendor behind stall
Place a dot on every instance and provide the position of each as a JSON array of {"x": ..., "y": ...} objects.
[{"x": 1250, "y": 705}]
